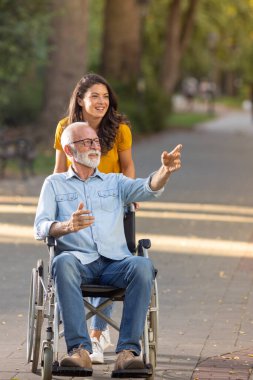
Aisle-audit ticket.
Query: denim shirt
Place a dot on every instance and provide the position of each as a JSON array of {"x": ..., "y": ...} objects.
[{"x": 105, "y": 196}]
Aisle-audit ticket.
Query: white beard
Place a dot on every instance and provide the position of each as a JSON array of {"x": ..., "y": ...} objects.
[{"x": 83, "y": 158}]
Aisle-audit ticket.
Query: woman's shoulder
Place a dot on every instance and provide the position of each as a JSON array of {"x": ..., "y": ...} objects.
[
  {"x": 63, "y": 122},
  {"x": 124, "y": 129},
  {"x": 124, "y": 137}
]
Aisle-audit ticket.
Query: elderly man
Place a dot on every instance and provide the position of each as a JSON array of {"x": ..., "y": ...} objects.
[{"x": 83, "y": 209}]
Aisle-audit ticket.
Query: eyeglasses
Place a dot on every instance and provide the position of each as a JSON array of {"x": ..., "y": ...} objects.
[{"x": 88, "y": 142}]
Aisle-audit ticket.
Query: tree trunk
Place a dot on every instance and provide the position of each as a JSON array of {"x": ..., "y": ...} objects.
[
  {"x": 121, "y": 40},
  {"x": 179, "y": 30},
  {"x": 67, "y": 60}
]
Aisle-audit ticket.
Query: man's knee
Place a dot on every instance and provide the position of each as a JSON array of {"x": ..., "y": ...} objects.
[
  {"x": 143, "y": 268},
  {"x": 64, "y": 263}
]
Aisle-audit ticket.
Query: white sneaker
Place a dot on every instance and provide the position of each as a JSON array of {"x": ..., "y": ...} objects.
[
  {"x": 105, "y": 340},
  {"x": 97, "y": 356}
]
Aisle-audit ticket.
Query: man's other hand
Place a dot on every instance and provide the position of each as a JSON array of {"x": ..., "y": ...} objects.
[{"x": 80, "y": 219}]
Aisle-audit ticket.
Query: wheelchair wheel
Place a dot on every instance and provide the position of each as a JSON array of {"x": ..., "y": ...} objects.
[
  {"x": 35, "y": 316},
  {"x": 153, "y": 329},
  {"x": 47, "y": 363}
]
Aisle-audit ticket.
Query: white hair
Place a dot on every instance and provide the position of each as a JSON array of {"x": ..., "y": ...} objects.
[{"x": 67, "y": 134}]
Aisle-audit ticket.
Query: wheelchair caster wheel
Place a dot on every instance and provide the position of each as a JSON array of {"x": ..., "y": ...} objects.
[{"x": 47, "y": 364}]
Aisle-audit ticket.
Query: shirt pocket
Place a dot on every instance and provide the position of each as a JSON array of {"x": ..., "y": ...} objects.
[
  {"x": 67, "y": 204},
  {"x": 108, "y": 199}
]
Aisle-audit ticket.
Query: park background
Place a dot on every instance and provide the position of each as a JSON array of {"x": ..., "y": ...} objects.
[
  {"x": 147, "y": 50},
  {"x": 201, "y": 227}
]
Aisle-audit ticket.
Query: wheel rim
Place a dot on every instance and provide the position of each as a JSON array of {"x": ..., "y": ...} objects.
[
  {"x": 153, "y": 325},
  {"x": 56, "y": 330},
  {"x": 39, "y": 316},
  {"x": 152, "y": 357},
  {"x": 31, "y": 314}
]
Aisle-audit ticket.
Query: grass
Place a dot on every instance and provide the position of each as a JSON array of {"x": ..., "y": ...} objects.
[
  {"x": 233, "y": 102},
  {"x": 187, "y": 120},
  {"x": 44, "y": 163}
]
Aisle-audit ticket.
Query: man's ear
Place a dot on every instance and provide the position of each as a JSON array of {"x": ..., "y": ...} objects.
[{"x": 68, "y": 151}]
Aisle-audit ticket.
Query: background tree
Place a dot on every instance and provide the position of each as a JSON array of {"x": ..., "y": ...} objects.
[
  {"x": 67, "y": 58},
  {"x": 169, "y": 29},
  {"x": 142, "y": 47},
  {"x": 121, "y": 40},
  {"x": 218, "y": 52},
  {"x": 179, "y": 26}
]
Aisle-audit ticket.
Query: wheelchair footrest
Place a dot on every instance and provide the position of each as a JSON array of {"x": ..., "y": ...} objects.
[
  {"x": 133, "y": 373},
  {"x": 71, "y": 371}
]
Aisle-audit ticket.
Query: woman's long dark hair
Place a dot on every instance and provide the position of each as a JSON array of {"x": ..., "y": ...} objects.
[{"x": 109, "y": 125}]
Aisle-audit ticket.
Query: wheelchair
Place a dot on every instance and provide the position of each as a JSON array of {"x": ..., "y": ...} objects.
[{"x": 43, "y": 310}]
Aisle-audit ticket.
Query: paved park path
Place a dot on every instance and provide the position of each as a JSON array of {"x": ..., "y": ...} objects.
[{"x": 202, "y": 233}]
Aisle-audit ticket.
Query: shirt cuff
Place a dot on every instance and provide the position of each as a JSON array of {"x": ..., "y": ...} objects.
[
  {"x": 157, "y": 193},
  {"x": 42, "y": 231}
]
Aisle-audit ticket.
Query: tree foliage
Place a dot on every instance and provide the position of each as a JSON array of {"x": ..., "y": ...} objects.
[
  {"x": 23, "y": 52},
  {"x": 221, "y": 44},
  {"x": 143, "y": 47}
]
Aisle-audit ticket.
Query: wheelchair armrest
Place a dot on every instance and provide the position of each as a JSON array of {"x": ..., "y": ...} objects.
[
  {"x": 143, "y": 245},
  {"x": 50, "y": 241}
]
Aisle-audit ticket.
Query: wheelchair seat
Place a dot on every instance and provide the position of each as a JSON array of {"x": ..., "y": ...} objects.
[{"x": 102, "y": 291}]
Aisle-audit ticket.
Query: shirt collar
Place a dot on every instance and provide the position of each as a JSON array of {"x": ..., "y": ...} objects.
[{"x": 70, "y": 174}]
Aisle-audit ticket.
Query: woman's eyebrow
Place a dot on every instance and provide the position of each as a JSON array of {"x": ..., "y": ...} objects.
[{"x": 98, "y": 93}]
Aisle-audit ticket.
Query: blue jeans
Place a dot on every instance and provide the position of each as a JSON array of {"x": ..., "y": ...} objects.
[{"x": 133, "y": 273}]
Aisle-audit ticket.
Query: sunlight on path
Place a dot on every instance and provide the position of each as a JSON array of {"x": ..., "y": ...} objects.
[
  {"x": 17, "y": 209},
  {"x": 200, "y": 207},
  {"x": 18, "y": 199},
  {"x": 20, "y": 234},
  {"x": 17, "y": 234},
  {"x": 181, "y": 244}
]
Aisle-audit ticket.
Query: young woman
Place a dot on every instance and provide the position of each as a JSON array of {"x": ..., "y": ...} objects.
[{"x": 94, "y": 101}]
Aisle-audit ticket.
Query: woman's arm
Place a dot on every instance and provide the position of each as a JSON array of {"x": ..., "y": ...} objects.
[
  {"x": 60, "y": 162},
  {"x": 126, "y": 163}
]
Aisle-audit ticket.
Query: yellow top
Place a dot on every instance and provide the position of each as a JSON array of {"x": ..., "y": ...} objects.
[{"x": 110, "y": 161}]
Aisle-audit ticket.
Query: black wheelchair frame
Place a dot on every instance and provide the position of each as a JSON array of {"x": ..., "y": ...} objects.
[{"x": 43, "y": 305}]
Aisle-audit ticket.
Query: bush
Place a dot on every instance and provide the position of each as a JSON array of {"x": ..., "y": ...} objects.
[{"x": 147, "y": 110}]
